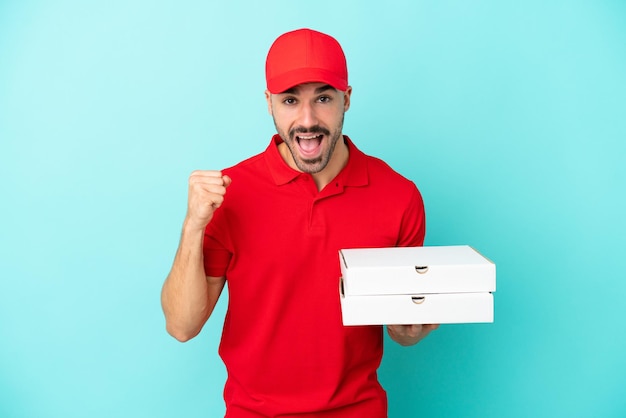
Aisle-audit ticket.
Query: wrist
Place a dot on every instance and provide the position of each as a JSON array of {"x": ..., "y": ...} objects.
[{"x": 191, "y": 227}]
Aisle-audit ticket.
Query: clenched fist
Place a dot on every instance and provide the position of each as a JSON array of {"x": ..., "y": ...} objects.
[{"x": 206, "y": 193}]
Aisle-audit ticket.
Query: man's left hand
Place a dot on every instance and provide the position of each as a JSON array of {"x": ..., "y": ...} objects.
[{"x": 410, "y": 334}]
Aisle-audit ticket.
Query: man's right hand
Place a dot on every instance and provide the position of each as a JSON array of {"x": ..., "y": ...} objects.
[{"x": 206, "y": 193}]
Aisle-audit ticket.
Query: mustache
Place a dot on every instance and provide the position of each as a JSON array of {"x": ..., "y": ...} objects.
[{"x": 315, "y": 129}]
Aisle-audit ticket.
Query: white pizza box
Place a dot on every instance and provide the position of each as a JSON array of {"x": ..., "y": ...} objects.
[
  {"x": 416, "y": 270},
  {"x": 441, "y": 308},
  {"x": 416, "y": 285}
]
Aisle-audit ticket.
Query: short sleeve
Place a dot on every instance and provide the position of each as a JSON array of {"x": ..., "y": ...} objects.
[
  {"x": 413, "y": 226},
  {"x": 216, "y": 257}
]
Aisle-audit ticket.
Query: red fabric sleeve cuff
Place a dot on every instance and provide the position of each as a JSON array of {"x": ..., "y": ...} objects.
[{"x": 216, "y": 258}]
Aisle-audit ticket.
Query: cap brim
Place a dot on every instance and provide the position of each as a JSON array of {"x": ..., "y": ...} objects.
[{"x": 293, "y": 78}]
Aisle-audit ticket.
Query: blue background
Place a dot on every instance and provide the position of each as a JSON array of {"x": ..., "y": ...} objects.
[{"x": 509, "y": 116}]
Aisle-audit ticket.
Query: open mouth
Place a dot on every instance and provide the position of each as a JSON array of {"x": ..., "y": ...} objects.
[{"x": 309, "y": 144}]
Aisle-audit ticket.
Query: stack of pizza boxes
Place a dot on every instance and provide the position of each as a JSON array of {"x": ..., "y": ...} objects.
[{"x": 416, "y": 285}]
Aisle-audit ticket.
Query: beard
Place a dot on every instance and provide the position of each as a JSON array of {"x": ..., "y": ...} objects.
[{"x": 311, "y": 165}]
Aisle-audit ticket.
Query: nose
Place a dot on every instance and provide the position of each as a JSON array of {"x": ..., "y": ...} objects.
[{"x": 307, "y": 116}]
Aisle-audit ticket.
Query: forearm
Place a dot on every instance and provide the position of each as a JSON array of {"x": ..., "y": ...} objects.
[{"x": 188, "y": 298}]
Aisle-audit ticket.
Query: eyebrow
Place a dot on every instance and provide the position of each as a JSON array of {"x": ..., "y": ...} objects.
[{"x": 318, "y": 90}]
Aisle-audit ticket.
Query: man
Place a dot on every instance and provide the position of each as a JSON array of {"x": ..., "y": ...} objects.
[{"x": 271, "y": 227}]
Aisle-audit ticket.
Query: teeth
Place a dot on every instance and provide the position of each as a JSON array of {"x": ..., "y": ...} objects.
[{"x": 308, "y": 137}]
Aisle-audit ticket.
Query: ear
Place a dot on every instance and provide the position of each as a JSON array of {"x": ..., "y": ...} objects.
[
  {"x": 346, "y": 98},
  {"x": 268, "y": 98}
]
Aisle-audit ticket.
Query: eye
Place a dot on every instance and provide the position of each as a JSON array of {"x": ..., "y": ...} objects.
[
  {"x": 324, "y": 99},
  {"x": 289, "y": 100}
]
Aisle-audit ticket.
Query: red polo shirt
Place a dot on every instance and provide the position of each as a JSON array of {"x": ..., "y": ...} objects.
[{"x": 276, "y": 239}]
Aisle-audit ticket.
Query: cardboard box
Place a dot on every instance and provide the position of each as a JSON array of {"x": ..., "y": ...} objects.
[{"x": 416, "y": 285}]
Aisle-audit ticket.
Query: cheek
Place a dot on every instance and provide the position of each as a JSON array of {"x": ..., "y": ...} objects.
[
  {"x": 281, "y": 126},
  {"x": 336, "y": 122},
  {"x": 281, "y": 115},
  {"x": 280, "y": 122}
]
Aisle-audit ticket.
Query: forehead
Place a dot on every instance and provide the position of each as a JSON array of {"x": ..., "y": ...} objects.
[{"x": 315, "y": 88}]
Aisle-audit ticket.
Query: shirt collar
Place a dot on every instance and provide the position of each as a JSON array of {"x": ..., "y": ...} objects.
[{"x": 353, "y": 174}]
